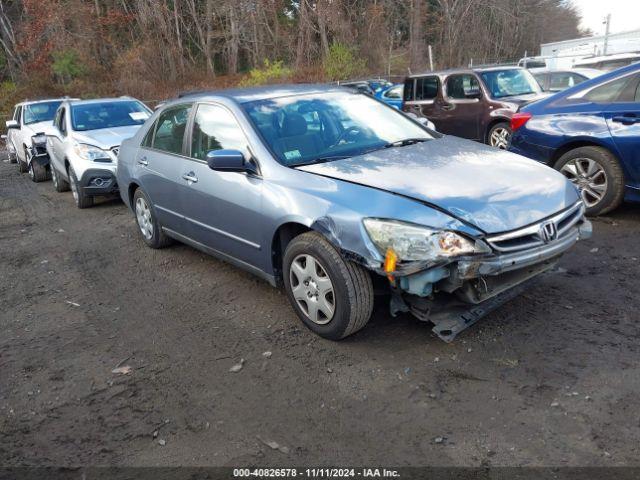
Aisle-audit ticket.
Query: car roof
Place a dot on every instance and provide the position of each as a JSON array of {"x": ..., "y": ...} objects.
[
  {"x": 452, "y": 71},
  {"x": 76, "y": 101},
  {"x": 587, "y": 72},
  {"x": 243, "y": 95},
  {"x": 42, "y": 100}
]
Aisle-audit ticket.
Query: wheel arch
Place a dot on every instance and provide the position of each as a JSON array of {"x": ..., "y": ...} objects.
[
  {"x": 281, "y": 238},
  {"x": 131, "y": 190},
  {"x": 579, "y": 143}
]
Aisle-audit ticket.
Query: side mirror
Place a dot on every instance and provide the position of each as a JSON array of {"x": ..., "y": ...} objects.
[
  {"x": 230, "y": 161},
  {"x": 12, "y": 124}
]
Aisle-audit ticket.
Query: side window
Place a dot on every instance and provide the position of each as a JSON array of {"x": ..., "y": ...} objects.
[
  {"x": 215, "y": 128},
  {"x": 637, "y": 96},
  {"x": 426, "y": 88},
  {"x": 170, "y": 127},
  {"x": 408, "y": 89},
  {"x": 148, "y": 138},
  {"x": 461, "y": 87},
  {"x": 607, "y": 93}
]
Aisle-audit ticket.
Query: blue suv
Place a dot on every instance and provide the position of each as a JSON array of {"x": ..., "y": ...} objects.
[{"x": 590, "y": 133}]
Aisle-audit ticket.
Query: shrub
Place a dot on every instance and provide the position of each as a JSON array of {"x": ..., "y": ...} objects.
[
  {"x": 67, "y": 65},
  {"x": 342, "y": 62},
  {"x": 267, "y": 73}
]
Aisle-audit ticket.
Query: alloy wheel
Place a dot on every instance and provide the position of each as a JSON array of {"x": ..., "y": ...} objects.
[
  {"x": 143, "y": 216},
  {"x": 500, "y": 138},
  {"x": 54, "y": 177},
  {"x": 589, "y": 176},
  {"x": 32, "y": 174},
  {"x": 312, "y": 289},
  {"x": 74, "y": 187}
]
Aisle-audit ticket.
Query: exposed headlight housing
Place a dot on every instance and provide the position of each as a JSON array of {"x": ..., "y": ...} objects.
[
  {"x": 416, "y": 243},
  {"x": 91, "y": 152},
  {"x": 39, "y": 139}
]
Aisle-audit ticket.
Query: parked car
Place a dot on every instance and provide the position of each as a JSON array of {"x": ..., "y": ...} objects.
[
  {"x": 558, "y": 80},
  {"x": 475, "y": 104},
  {"x": 391, "y": 95},
  {"x": 591, "y": 133},
  {"x": 84, "y": 142},
  {"x": 328, "y": 192},
  {"x": 26, "y": 139},
  {"x": 361, "y": 86}
]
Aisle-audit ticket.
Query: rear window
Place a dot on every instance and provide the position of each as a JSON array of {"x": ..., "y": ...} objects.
[{"x": 426, "y": 88}]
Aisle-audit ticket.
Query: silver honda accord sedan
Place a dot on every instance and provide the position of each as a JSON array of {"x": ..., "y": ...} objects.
[{"x": 332, "y": 195}]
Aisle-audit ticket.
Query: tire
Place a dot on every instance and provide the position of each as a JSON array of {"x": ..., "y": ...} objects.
[
  {"x": 37, "y": 172},
  {"x": 12, "y": 157},
  {"x": 499, "y": 135},
  {"x": 22, "y": 166},
  {"x": 150, "y": 229},
  {"x": 579, "y": 165},
  {"x": 82, "y": 200},
  {"x": 351, "y": 293},
  {"x": 59, "y": 183}
]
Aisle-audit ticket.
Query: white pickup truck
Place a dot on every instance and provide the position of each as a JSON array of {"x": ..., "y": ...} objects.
[{"x": 25, "y": 138}]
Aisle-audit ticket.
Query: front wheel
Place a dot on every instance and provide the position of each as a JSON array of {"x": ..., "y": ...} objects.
[
  {"x": 37, "y": 172},
  {"x": 332, "y": 296},
  {"x": 499, "y": 135},
  {"x": 82, "y": 199},
  {"x": 22, "y": 166},
  {"x": 59, "y": 183},
  {"x": 598, "y": 176}
]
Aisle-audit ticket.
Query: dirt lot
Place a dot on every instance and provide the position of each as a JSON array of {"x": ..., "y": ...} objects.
[{"x": 550, "y": 379}]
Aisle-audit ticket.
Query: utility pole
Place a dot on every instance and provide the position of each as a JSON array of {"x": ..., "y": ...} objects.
[{"x": 607, "y": 22}]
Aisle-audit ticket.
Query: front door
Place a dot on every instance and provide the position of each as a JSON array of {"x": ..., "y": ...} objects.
[
  {"x": 222, "y": 209},
  {"x": 460, "y": 107}
]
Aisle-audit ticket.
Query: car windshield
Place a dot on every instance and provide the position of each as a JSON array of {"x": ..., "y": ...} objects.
[
  {"x": 97, "y": 115},
  {"x": 40, "y": 112},
  {"x": 308, "y": 129},
  {"x": 509, "y": 83}
]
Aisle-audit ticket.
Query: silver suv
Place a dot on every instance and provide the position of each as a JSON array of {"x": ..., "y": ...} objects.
[
  {"x": 84, "y": 142},
  {"x": 26, "y": 139}
]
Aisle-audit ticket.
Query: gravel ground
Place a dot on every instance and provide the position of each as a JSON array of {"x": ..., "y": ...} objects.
[{"x": 551, "y": 378}]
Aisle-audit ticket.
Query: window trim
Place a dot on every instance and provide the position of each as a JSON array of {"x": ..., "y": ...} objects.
[
  {"x": 429, "y": 101},
  {"x": 463, "y": 101},
  {"x": 154, "y": 125}
]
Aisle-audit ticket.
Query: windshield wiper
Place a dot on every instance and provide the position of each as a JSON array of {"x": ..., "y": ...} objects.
[{"x": 405, "y": 142}]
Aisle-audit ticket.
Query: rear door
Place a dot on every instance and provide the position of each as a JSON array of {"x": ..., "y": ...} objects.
[
  {"x": 160, "y": 161},
  {"x": 460, "y": 108},
  {"x": 623, "y": 120},
  {"x": 420, "y": 96},
  {"x": 223, "y": 210}
]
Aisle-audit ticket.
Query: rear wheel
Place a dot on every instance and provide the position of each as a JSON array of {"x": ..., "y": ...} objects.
[
  {"x": 499, "y": 135},
  {"x": 332, "y": 296},
  {"x": 82, "y": 200},
  {"x": 59, "y": 183},
  {"x": 598, "y": 176},
  {"x": 150, "y": 229}
]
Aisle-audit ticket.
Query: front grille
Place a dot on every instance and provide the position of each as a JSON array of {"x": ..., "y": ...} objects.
[{"x": 557, "y": 227}]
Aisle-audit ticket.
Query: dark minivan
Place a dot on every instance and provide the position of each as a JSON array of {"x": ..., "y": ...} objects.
[{"x": 475, "y": 104}]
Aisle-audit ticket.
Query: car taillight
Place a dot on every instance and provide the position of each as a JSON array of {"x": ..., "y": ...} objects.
[{"x": 519, "y": 119}]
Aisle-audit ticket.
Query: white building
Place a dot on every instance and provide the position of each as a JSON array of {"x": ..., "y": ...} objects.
[{"x": 583, "y": 51}]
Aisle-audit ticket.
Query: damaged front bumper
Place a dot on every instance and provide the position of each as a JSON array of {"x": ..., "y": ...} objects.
[{"x": 456, "y": 295}]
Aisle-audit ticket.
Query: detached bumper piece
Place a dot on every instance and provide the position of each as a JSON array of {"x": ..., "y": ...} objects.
[
  {"x": 39, "y": 154},
  {"x": 97, "y": 182}
]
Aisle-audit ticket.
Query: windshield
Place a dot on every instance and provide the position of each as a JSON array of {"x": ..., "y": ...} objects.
[
  {"x": 307, "y": 129},
  {"x": 94, "y": 116},
  {"x": 509, "y": 83},
  {"x": 40, "y": 112}
]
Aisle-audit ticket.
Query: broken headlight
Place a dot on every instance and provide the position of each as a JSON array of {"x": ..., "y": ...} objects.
[{"x": 412, "y": 242}]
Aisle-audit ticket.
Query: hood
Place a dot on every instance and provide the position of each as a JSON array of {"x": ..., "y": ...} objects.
[
  {"x": 41, "y": 127},
  {"x": 106, "y": 138},
  {"x": 522, "y": 100},
  {"x": 494, "y": 190}
]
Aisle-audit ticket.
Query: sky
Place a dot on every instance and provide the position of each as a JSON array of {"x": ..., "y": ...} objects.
[{"x": 625, "y": 14}]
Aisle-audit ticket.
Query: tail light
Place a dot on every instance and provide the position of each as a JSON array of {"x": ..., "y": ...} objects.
[{"x": 519, "y": 119}]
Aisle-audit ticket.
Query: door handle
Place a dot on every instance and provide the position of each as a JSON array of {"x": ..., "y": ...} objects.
[
  {"x": 190, "y": 177},
  {"x": 627, "y": 119},
  {"x": 143, "y": 161}
]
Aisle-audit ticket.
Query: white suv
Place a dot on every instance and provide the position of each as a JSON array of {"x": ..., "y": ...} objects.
[
  {"x": 26, "y": 139},
  {"x": 84, "y": 142}
]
